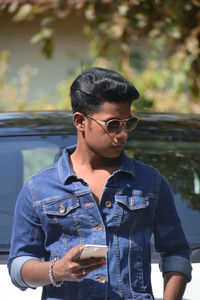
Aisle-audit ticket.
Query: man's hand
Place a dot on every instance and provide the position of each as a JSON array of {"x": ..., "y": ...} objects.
[
  {"x": 72, "y": 268},
  {"x": 69, "y": 268}
]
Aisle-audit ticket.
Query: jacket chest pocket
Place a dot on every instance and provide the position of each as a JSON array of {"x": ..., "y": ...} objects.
[
  {"x": 137, "y": 207},
  {"x": 64, "y": 214}
]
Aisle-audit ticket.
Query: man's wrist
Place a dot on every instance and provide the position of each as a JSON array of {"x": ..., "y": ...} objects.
[{"x": 53, "y": 280}]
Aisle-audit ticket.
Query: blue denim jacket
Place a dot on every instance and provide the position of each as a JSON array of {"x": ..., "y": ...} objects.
[{"x": 56, "y": 211}]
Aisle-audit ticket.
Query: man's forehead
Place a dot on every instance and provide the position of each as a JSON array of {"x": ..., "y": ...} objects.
[{"x": 113, "y": 108}]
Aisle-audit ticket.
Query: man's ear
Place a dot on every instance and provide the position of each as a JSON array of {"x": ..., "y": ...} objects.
[{"x": 79, "y": 121}]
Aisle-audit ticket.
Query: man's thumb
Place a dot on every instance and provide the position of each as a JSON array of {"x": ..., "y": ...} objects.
[{"x": 76, "y": 252}]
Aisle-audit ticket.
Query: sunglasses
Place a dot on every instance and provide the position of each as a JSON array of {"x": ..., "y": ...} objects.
[{"x": 114, "y": 125}]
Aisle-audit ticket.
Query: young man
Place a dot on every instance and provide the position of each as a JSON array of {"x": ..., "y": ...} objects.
[{"x": 95, "y": 194}]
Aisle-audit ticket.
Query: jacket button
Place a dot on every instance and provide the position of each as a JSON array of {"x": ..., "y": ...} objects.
[
  {"x": 62, "y": 208},
  {"x": 108, "y": 204},
  {"x": 101, "y": 279},
  {"x": 99, "y": 227}
]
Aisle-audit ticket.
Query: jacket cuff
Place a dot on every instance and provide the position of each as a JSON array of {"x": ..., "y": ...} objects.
[
  {"x": 15, "y": 271},
  {"x": 176, "y": 264}
]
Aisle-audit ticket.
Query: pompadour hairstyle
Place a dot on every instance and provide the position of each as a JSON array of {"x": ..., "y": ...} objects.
[{"x": 96, "y": 85}]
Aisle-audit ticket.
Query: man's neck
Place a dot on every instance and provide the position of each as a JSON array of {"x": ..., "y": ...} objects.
[{"x": 93, "y": 162}]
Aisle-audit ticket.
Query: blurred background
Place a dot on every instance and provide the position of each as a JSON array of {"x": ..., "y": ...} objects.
[{"x": 45, "y": 44}]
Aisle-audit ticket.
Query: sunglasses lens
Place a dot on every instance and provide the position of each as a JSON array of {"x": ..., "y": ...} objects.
[
  {"x": 131, "y": 123},
  {"x": 113, "y": 126}
]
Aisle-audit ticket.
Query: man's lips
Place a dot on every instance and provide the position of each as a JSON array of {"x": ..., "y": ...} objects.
[{"x": 117, "y": 146}]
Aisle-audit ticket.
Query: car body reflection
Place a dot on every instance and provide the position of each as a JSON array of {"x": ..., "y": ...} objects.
[{"x": 168, "y": 142}]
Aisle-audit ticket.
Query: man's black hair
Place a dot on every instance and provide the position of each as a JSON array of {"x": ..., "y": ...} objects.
[{"x": 95, "y": 86}]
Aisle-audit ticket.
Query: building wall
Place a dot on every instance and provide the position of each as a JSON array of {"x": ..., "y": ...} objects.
[{"x": 69, "y": 37}]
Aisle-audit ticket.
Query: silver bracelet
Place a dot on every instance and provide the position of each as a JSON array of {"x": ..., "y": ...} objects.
[{"x": 51, "y": 273}]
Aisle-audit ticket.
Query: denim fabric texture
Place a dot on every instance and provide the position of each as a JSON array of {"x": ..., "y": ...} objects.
[{"x": 56, "y": 211}]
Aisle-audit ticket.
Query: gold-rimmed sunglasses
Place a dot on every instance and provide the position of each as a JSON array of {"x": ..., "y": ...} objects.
[{"x": 113, "y": 125}]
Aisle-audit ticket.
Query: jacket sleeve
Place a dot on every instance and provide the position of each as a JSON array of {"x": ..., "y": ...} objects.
[
  {"x": 27, "y": 236},
  {"x": 170, "y": 240}
]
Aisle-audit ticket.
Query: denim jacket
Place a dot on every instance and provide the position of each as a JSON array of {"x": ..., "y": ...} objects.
[{"x": 56, "y": 211}]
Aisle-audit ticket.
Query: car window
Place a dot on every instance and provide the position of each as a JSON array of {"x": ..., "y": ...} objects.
[
  {"x": 179, "y": 163},
  {"x": 20, "y": 158}
]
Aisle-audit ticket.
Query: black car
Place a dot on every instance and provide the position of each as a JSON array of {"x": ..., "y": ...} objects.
[{"x": 29, "y": 141}]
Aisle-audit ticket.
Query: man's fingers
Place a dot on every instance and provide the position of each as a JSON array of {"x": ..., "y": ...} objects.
[
  {"x": 83, "y": 267},
  {"x": 93, "y": 264},
  {"x": 87, "y": 270},
  {"x": 75, "y": 252},
  {"x": 75, "y": 268},
  {"x": 89, "y": 262}
]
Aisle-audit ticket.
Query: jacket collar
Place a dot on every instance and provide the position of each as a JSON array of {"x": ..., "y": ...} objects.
[{"x": 65, "y": 172}]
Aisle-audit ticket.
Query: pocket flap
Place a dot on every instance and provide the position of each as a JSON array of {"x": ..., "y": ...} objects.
[
  {"x": 138, "y": 200},
  {"x": 61, "y": 207}
]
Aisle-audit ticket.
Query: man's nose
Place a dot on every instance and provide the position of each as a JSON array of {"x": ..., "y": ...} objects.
[{"x": 122, "y": 132}]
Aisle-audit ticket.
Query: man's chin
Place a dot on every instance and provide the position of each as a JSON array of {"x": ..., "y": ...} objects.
[
  {"x": 115, "y": 153},
  {"x": 117, "y": 148}
]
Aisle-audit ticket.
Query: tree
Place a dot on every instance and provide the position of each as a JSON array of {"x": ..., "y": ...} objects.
[{"x": 169, "y": 70}]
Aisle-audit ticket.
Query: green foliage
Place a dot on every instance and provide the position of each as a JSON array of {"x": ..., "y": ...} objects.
[
  {"x": 14, "y": 92},
  {"x": 167, "y": 74}
]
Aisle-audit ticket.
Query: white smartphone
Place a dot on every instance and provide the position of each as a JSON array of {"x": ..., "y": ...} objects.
[{"x": 94, "y": 251}]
